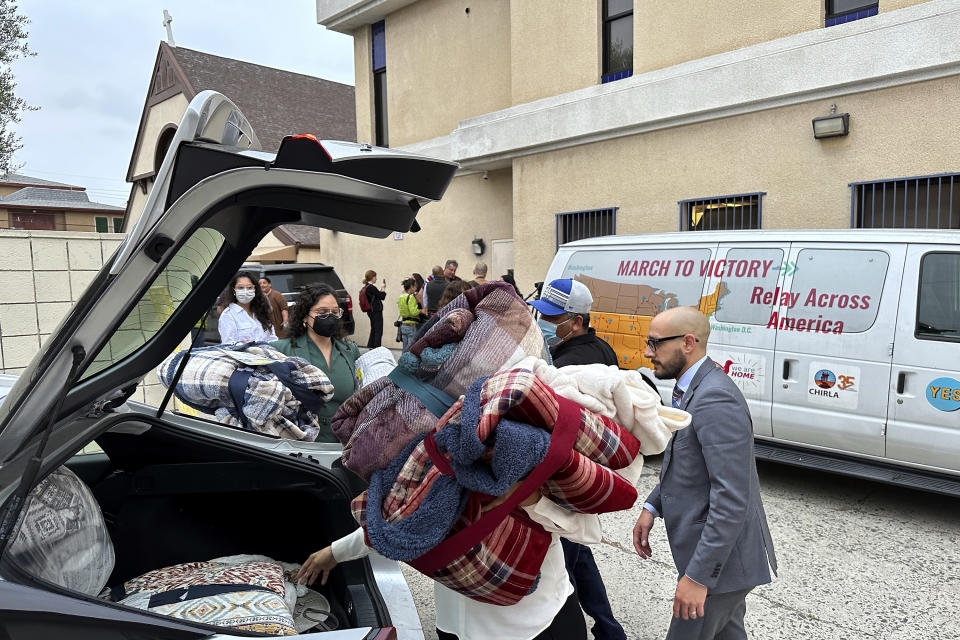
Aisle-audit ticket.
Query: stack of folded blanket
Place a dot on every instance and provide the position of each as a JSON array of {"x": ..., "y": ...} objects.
[
  {"x": 472, "y": 409},
  {"x": 253, "y": 386},
  {"x": 484, "y": 330},
  {"x": 489, "y": 440}
]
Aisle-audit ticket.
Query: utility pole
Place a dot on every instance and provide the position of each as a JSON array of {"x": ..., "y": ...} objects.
[{"x": 167, "y": 20}]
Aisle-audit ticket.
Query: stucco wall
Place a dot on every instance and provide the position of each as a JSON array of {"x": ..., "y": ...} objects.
[
  {"x": 806, "y": 180},
  {"x": 554, "y": 47},
  {"x": 363, "y": 84},
  {"x": 159, "y": 116},
  {"x": 893, "y": 5},
  {"x": 472, "y": 207},
  {"x": 443, "y": 64},
  {"x": 669, "y": 33}
]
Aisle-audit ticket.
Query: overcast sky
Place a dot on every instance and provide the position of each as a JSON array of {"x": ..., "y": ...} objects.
[{"x": 93, "y": 65}]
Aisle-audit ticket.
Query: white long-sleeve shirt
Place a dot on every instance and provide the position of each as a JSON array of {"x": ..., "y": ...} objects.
[
  {"x": 236, "y": 325},
  {"x": 472, "y": 620}
]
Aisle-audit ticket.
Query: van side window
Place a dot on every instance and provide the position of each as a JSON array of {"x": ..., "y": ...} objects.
[
  {"x": 938, "y": 306},
  {"x": 747, "y": 276},
  {"x": 836, "y": 290}
]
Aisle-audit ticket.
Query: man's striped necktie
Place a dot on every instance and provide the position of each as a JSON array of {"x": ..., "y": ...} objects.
[{"x": 677, "y": 396}]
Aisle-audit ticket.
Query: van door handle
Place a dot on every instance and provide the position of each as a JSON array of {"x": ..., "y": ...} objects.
[
  {"x": 901, "y": 381},
  {"x": 786, "y": 369}
]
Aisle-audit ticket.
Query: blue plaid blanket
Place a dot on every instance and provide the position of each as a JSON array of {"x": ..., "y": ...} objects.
[{"x": 251, "y": 386}]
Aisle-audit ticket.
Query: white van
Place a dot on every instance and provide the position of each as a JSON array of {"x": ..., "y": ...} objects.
[{"x": 845, "y": 343}]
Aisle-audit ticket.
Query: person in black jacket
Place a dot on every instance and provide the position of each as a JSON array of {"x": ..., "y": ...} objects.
[
  {"x": 375, "y": 298},
  {"x": 564, "y": 307}
]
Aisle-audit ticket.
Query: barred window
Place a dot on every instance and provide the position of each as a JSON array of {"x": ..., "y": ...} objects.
[
  {"x": 578, "y": 225},
  {"x": 922, "y": 202},
  {"x": 721, "y": 213}
]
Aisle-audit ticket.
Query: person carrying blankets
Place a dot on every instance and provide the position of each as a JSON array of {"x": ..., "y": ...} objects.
[{"x": 477, "y": 467}]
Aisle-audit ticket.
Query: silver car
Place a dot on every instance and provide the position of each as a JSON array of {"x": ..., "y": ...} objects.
[{"x": 174, "y": 488}]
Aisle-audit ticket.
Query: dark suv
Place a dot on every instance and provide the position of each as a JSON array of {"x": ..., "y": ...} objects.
[{"x": 289, "y": 280}]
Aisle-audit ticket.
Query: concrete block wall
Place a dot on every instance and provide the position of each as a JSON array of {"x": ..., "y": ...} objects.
[{"x": 42, "y": 273}]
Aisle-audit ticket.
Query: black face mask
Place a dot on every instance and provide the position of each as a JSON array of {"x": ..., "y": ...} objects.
[{"x": 325, "y": 325}]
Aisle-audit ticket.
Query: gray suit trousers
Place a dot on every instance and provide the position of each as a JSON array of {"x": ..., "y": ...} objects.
[{"x": 722, "y": 619}]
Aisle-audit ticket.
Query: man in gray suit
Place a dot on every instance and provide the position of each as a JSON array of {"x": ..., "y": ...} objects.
[{"x": 709, "y": 493}]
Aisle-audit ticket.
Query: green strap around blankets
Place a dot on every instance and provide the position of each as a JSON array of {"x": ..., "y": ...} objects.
[{"x": 436, "y": 401}]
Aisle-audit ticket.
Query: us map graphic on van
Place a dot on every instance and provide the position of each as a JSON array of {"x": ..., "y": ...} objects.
[{"x": 623, "y": 312}]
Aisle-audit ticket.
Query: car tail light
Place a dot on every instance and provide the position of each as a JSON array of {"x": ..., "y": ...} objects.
[
  {"x": 386, "y": 633},
  {"x": 349, "y": 303}
]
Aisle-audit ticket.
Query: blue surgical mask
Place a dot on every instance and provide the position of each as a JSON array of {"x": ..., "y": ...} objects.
[{"x": 549, "y": 331}]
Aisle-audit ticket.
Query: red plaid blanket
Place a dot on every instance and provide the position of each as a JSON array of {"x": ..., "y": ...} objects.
[{"x": 503, "y": 567}]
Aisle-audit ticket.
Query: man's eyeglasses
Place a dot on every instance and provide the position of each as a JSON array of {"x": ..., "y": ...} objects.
[
  {"x": 322, "y": 313},
  {"x": 653, "y": 343}
]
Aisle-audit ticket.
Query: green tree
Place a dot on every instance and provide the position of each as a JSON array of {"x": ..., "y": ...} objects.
[{"x": 13, "y": 46}]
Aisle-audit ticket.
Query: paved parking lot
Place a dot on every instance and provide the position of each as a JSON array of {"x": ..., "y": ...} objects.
[{"x": 857, "y": 560}]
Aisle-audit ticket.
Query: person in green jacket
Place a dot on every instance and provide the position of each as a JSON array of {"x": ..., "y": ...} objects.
[
  {"x": 409, "y": 313},
  {"x": 315, "y": 334}
]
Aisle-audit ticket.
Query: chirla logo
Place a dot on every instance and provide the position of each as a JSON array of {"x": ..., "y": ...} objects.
[{"x": 825, "y": 379}]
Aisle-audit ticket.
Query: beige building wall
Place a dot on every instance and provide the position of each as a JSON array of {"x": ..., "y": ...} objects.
[
  {"x": 363, "y": 87},
  {"x": 668, "y": 33},
  {"x": 472, "y": 208},
  {"x": 727, "y": 25},
  {"x": 893, "y": 5},
  {"x": 428, "y": 94},
  {"x": 554, "y": 47},
  {"x": 168, "y": 112},
  {"x": 805, "y": 180}
]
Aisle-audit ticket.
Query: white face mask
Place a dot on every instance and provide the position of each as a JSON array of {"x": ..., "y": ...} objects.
[{"x": 245, "y": 295}]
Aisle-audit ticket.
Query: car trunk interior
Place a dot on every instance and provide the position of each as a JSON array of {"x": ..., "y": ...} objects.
[{"x": 169, "y": 497}]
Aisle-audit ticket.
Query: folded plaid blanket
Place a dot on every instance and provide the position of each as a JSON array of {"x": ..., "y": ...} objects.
[
  {"x": 441, "y": 484},
  {"x": 482, "y": 331},
  {"x": 485, "y": 329},
  {"x": 278, "y": 391}
]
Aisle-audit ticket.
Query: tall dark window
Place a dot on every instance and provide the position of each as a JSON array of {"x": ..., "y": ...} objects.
[
  {"x": 924, "y": 202},
  {"x": 379, "y": 56},
  {"x": 579, "y": 225},
  {"x": 840, "y": 11},
  {"x": 722, "y": 213},
  {"x": 617, "y": 40}
]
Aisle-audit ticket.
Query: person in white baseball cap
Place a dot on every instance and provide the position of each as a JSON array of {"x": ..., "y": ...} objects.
[{"x": 564, "y": 307}]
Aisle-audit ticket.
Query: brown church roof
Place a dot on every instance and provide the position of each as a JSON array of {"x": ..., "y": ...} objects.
[{"x": 276, "y": 102}]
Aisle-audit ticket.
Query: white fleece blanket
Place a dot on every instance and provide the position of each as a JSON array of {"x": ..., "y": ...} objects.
[{"x": 618, "y": 394}]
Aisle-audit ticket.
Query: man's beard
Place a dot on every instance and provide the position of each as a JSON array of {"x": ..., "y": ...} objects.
[{"x": 669, "y": 369}]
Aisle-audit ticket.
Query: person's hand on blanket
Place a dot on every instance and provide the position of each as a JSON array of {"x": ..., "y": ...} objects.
[
  {"x": 529, "y": 500},
  {"x": 319, "y": 562}
]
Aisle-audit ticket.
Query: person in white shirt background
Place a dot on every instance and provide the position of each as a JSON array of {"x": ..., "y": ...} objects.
[
  {"x": 247, "y": 317},
  {"x": 551, "y": 612}
]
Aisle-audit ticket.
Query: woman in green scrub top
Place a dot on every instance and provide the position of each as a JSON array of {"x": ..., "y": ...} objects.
[{"x": 315, "y": 331}]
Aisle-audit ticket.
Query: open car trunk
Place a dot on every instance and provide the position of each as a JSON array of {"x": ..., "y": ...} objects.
[{"x": 170, "y": 497}]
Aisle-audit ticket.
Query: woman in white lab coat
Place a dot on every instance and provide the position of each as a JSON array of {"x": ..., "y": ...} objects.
[{"x": 247, "y": 317}]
